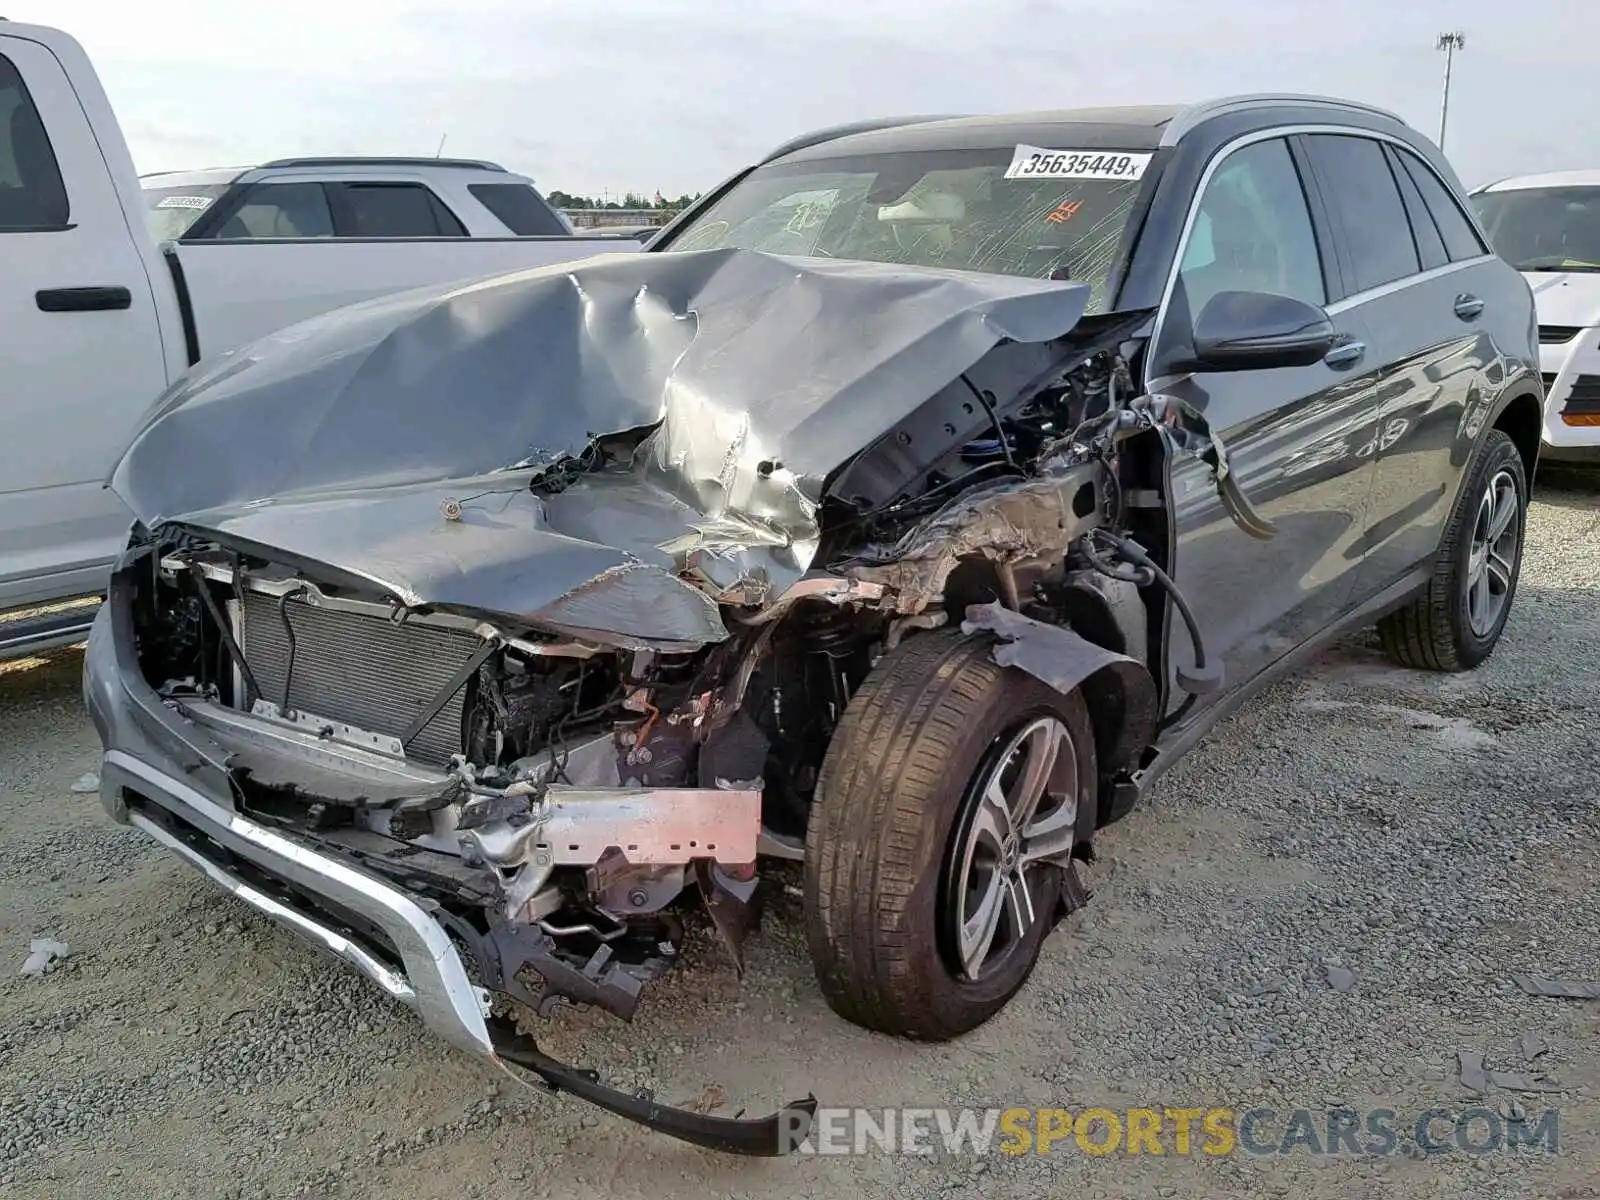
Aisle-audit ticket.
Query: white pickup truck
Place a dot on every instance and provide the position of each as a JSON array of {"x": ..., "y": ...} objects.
[{"x": 97, "y": 317}]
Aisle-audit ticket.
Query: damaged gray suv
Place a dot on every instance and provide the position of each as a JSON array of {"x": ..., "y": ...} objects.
[{"x": 918, "y": 497}]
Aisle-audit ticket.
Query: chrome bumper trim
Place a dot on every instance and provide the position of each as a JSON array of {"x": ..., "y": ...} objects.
[{"x": 434, "y": 981}]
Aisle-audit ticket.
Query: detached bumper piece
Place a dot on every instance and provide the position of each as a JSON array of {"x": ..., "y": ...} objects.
[{"x": 765, "y": 1137}]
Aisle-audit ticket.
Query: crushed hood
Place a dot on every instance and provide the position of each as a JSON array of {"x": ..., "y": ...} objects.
[{"x": 342, "y": 441}]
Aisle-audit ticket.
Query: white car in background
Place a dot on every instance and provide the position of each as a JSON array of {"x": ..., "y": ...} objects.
[
  {"x": 357, "y": 197},
  {"x": 1548, "y": 227}
]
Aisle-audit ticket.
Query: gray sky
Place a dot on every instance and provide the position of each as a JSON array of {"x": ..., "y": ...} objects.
[{"x": 674, "y": 94}]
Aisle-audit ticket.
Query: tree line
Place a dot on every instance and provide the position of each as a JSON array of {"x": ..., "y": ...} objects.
[{"x": 630, "y": 200}]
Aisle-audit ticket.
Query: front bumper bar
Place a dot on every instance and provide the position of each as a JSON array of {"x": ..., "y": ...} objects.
[
  {"x": 431, "y": 978},
  {"x": 154, "y": 776}
]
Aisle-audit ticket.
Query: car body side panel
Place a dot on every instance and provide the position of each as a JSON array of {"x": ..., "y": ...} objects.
[
  {"x": 73, "y": 379},
  {"x": 1439, "y": 370},
  {"x": 1294, "y": 437}
]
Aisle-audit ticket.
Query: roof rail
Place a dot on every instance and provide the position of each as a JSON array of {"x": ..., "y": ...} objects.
[
  {"x": 817, "y": 136},
  {"x": 237, "y": 171},
  {"x": 1190, "y": 117},
  {"x": 379, "y": 161}
]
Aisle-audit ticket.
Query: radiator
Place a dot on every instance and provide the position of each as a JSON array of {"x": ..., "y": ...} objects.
[{"x": 360, "y": 669}]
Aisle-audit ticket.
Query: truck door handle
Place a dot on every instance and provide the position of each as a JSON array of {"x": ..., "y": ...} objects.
[
  {"x": 108, "y": 298},
  {"x": 1346, "y": 353},
  {"x": 1468, "y": 306}
]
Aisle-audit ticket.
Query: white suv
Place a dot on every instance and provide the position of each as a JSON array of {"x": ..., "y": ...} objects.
[
  {"x": 1548, "y": 227},
  {"x": 295, "y": 198}
]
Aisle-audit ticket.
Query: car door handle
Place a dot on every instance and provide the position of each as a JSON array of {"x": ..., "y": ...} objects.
[
  {"x": 1345, "y": 354},
  {"x": 1468, "y": 306},
  {"x": 108, "y": 298}
]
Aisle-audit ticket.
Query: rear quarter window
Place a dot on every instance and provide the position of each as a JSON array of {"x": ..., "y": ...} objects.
[
  {"x": 519, "y": 208},
  {"x": 1430, "y": 246},
  {"x": 1461, "y": 240}
]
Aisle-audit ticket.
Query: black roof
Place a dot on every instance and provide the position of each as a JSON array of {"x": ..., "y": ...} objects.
[
  {"x": 1087, "y": 128},
  {"x": 1131, "y": 127}
]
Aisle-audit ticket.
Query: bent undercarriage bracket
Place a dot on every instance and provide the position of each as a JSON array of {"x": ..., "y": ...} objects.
[{"x": 766, "y": 1137}]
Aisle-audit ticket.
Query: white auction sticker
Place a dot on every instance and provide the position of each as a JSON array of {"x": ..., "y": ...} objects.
[
  {"x": 184, "y": 202},
  {"x": 1034, "y": 162}
]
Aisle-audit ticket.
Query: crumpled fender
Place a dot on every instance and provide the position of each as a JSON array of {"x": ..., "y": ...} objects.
[{"x": 1120, "y": 693}]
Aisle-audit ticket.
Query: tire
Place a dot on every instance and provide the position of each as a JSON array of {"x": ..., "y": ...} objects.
[
  {"x": 1439, "y": 630},
  {"x": 894, "y": 815}
]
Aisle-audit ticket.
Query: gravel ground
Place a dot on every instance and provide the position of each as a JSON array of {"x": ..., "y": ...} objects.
[{"x": 1324, "y": 905}]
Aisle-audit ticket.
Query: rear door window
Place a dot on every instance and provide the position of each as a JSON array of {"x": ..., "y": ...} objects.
[
  {"x": 1355, "y": 176},
  {"x": 394, "y": 210},
  {"x": 1461, "y": 240},
  {"x": 279, "y": 210},
  {"x": 519, "y": 208},
  {"x": 32, "y": 193}
]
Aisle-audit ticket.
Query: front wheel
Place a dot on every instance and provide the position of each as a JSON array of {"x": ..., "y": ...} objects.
[
  {"x": 943, "y": 826},
  {"x": 1455, "y": 623}
]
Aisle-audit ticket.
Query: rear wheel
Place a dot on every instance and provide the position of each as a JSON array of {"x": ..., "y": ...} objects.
[
  {"x": 1457, "y": 620},
  {"x": 941, "y": 836}
]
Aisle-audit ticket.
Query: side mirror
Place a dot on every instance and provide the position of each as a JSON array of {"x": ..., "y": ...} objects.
[{"x": 1250, "y": 331}]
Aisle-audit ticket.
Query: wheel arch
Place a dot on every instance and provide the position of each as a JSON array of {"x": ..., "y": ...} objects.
[
  {"x": 1118, "y": 691},
  {"x": 1521, "y": 418}
]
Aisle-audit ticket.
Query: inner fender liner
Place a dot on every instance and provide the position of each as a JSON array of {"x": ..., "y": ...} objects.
[
  {"x": 766, "y": 1137},
  {"x": 1119, "y": 690}
]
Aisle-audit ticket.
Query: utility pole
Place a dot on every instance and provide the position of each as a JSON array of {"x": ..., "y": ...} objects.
[{"x": 1449, "y": 43}]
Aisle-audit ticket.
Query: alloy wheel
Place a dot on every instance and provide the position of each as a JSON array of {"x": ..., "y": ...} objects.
[
  {"x": 1492, "y": 559},
  {"x": 1021, "y": 816}
]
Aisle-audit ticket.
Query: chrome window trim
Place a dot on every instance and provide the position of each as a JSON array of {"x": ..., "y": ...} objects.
[
  {"x": 1395, "y": 285},
  {"x": 1285, "y": 132}
]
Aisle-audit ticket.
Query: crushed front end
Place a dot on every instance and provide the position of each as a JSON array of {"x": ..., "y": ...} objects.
[
  {"x": 464, "y": 816},
  {"x": 483, "y": 722}
]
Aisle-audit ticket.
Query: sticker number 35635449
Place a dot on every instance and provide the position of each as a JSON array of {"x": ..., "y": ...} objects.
[{"x": 1033, "y": 162}]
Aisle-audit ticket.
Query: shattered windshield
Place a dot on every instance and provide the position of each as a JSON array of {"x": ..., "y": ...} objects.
[
  {"x": 171, "y": 211},
  {"x": 952, "y": 209},
  {"x": 1544, "y": 229}
]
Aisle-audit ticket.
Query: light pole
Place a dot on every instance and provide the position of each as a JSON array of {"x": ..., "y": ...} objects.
[{"x": 1449, "y": 43}]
